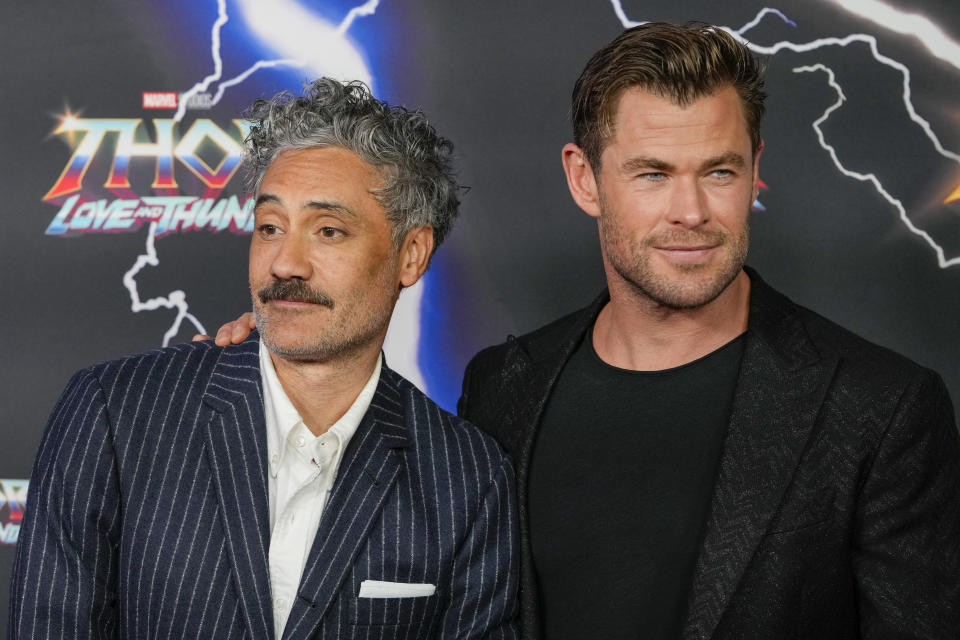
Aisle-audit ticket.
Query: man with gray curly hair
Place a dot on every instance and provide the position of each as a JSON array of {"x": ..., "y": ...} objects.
[
  {"x": 403, "y": 169},
  {"x": 316, "y": 493}
]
